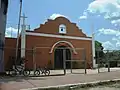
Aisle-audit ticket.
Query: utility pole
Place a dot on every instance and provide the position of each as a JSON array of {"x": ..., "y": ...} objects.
[
  {"x": 11, "y": 31},
  {"x": 18, "y": 31},
  {"x": 23, "y": 36},
  {"x": 3, "y": 19},
  {"x": 29, "y": 27},
  {"x": 0, "y": 4}
]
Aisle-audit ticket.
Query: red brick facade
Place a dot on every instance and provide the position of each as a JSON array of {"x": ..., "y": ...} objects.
[{"x": 41, "y": 43}]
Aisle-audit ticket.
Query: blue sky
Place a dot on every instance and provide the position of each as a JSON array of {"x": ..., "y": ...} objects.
[{"x": 101, "y": 14}]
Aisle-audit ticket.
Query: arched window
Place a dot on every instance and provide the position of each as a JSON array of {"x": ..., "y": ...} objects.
[{"x": 62, "y": 29}]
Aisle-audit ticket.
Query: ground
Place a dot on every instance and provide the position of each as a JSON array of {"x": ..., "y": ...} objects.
[{"x": 17, "y": 83}]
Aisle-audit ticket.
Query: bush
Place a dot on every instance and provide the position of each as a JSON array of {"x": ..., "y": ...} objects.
[{"x": 113, "y": 64}]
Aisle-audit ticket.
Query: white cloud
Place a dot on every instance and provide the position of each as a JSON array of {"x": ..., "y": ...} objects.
[
  {"x": 109, "y": 32},
  {"x": 117, "y": 44},
  {"x": 114, "y": 44},
  {"x": 110, "y": 8},
  {"x": 114, "y": 39},
  {"x": 116, "y": 22},
  {"x": 55, "y": 15},
  {"x": 98, "y": 15},
  {"x": 83, "y": 17},
  {"x": 11, "y": 32},
  {"x": 108, "y": 45}
]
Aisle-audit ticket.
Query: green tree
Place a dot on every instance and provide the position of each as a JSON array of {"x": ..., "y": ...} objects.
[
  {"x": 98, "y": 50},
  {"x": 98, "y": 45},
  {"x": 114, "y": 57}
]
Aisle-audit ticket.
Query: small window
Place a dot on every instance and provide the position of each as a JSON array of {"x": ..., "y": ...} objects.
[{"x": 62, "y": 29}]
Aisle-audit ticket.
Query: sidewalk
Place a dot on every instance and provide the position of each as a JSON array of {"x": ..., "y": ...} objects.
[{"x": 18, "y": 83}]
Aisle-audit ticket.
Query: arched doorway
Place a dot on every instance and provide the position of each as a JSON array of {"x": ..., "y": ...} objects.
[{"x": 58, "y": 57}]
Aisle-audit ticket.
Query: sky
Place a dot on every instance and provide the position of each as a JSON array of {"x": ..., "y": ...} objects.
[{"x": 100, "y": 16}]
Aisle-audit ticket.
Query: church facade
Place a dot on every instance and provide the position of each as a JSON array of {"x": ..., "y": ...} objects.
[{"x": 47, "y": 45}]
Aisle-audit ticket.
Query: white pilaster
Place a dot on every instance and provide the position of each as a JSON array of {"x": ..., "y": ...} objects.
[
  {"x": 23, "y": 38},
  {"x": 23, "y": 43},
  {"x": 93, "y": 51},
  {"x": 93, "y": 46}
]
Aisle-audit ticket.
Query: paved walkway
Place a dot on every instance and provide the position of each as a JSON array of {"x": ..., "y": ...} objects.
[{"x": 18, "y": 83}]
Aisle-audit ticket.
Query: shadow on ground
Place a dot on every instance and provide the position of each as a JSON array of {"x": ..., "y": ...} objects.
[{"x": 8, "y": 78}]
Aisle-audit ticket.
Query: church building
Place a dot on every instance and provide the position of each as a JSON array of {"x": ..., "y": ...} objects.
[{"x": 45, "y": 45}]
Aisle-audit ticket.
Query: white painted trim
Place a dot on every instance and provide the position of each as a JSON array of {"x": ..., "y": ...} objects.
[
  {"x": 57, "y": 36},
  {"x": 93, "y": 51},
  {"x": 70, "y": 44}
]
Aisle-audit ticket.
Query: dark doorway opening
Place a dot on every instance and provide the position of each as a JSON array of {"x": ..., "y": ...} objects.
[{"x": 58, "y": 57}]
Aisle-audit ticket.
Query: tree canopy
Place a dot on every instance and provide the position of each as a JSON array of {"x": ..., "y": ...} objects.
[
  {"x": 98, "y": 50},
  {"x": 98, "y": 46}
]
